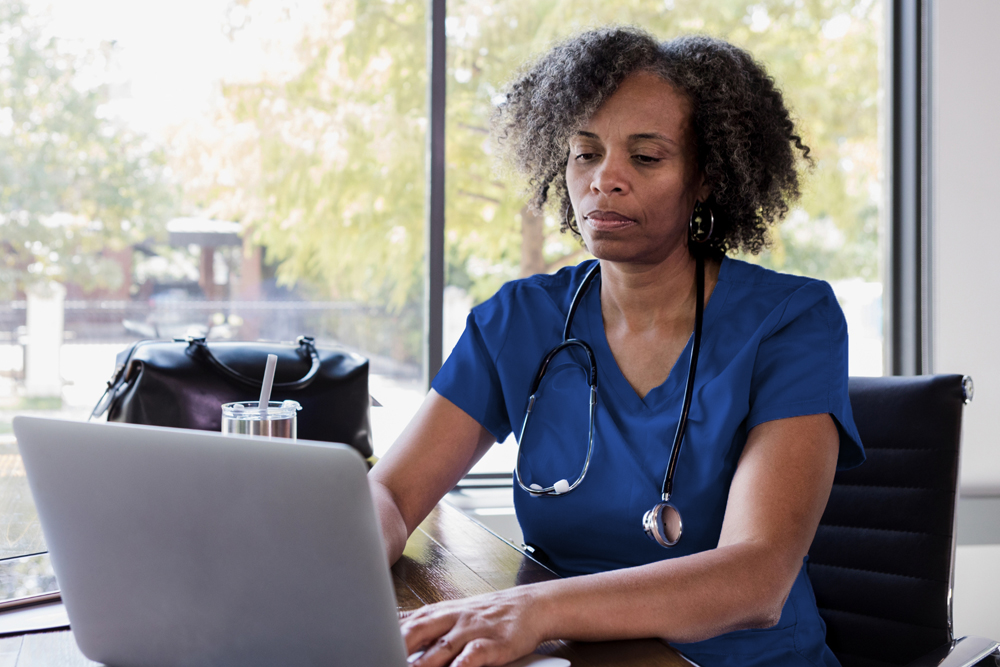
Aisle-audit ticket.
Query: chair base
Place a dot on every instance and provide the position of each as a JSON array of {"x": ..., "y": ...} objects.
[{"x": 964, "y": 652}]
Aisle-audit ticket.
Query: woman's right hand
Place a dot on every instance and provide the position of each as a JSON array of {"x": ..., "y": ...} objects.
[{"x": 485, "y": 630}]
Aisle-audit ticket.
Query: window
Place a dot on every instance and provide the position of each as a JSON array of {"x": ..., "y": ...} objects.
[
  {"x": 826, "y": 58},
  {"x": 191, "y": 168}
]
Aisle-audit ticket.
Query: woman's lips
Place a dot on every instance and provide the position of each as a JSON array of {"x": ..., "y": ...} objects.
[{"x": 608, "y": 220}]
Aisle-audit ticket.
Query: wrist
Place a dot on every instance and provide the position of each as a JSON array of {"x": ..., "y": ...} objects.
[
  {"x": 544, "y": 609},
  {"x": 390, "y": 520}
]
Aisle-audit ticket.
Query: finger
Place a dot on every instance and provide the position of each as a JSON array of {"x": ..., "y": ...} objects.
[
  {"x": 477, "y": 653},
  {"x": 441, "y": 652},
  {"x": 421, "y": 631},
  {"x": 419, "y": 612}
]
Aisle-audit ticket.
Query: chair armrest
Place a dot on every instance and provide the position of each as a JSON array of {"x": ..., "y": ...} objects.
[{"x": 964, "y": 652}]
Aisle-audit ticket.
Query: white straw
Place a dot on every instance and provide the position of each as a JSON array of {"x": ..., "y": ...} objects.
[{"x": 265, "y": 390}]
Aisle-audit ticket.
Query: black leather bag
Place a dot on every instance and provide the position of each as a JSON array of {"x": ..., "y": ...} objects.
[{"x": 184, "y": 383}]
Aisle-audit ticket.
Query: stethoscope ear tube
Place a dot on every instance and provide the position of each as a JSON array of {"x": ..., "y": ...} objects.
[
  {"x": 563, "y": 486},
  {"x": 663, "y": 524},
  {"x": 578, "y": 297},
  {"x": 699, "y": 315}
]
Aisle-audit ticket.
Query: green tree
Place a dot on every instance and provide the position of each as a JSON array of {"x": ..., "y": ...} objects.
[
  {"x": 325, "y": 165},
  {"x": 73, "y": 183},
  {"x": 824, "y": 54},
  {"x": 339, "y": 143}
]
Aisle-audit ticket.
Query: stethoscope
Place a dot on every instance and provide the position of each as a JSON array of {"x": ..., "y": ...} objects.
[{"x": 661, "y": 524}]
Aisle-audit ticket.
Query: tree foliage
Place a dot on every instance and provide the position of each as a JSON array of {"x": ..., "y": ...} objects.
[
  {"x": 73, "y": 183},
  {"x": 824, "y": 54},
  {"x": 338, "y": 144}
]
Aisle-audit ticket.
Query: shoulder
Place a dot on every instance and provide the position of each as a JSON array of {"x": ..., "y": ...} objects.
[
  {"x": 776, "y": 298},
  {"x": 533, "y": 307},
  {"x": 764, "y": 280},
  {"x": 800, "y": 356},
  {"x": 535, "y": 296}
]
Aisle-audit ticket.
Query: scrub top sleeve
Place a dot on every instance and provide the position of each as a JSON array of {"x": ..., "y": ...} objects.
[
  {"x": 469, "y": 377},
  {"x": 801, "y": 367}
]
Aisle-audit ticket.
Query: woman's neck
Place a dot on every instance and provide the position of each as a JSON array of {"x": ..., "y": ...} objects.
[{"x": 646, "y": 297}]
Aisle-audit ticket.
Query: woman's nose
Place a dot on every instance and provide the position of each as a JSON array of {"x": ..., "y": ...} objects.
[{"x": 610, "y": 176}]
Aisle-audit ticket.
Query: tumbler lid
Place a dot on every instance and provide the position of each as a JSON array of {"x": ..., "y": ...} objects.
[{"x": 250, "y": 410}]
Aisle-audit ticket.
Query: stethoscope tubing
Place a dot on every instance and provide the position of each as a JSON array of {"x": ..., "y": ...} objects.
[
  {"x": 562, "y": 486},
  {"x": 553, "y": 490},
  {"x": 564, "y": 344},
  {"x": 699, "y": 316}
]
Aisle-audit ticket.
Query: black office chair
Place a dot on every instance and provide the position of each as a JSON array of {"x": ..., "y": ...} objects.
[{"x": 882, "y": 562}]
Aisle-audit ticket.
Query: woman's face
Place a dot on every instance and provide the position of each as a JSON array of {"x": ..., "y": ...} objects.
[{"x": 633, "y": 175}]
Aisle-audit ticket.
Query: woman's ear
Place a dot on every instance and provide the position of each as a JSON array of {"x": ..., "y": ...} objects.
[{"x": 704, "y": 189}]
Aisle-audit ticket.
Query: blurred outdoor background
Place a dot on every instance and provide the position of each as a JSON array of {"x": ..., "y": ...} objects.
[{"x": 255, "y": 169}]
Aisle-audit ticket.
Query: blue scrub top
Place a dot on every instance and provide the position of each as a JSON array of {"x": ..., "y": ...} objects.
[{"x": 773, "y": 346}]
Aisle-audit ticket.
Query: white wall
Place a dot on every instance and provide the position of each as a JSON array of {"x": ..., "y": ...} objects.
[
  {"x": 966, "y": 275},
  {"x": 966, "y": 234}
]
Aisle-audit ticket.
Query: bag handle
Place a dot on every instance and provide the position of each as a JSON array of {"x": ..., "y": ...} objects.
[
  {"x": 306, "y": 346},
  {"x": 117, "y": 378}
]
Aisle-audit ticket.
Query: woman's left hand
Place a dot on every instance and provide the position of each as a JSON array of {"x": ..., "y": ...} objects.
[{"x": 481, "y": 631}]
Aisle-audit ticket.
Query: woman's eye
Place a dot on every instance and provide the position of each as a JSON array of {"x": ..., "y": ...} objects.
[
  {"x": 645, "y": 159},
  {"x": 583, "y": 157}
]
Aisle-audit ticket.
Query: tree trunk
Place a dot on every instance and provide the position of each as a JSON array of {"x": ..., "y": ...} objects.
[
  {"x": 206, "y": 272},
  {"x": 532, "y": 242},
  {"x": 251, "y": 262}
]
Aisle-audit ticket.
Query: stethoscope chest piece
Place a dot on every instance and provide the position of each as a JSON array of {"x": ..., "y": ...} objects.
[{"x": 663, "y": 524}]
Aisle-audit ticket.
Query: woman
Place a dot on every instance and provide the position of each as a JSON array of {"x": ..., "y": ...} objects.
[{"x": 663, "y": 157}]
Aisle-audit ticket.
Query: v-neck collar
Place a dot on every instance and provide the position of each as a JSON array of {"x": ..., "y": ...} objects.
[{"x": 608, "y": 370}]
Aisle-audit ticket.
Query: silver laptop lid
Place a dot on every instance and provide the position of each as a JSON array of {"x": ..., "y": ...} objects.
[{"x": 179, "y": 547}]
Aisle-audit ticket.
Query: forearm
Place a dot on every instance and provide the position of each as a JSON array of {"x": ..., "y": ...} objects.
[
  {"x": 682, "y": 599},
  {"x": 743, "y": 583},
  {"x": 390, "y": 520},
  {"x": 776, "y": 499},
  {"x": 435, "y": 450}
]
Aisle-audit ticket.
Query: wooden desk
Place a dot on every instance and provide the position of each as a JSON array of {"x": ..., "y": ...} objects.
[{"x": 449, "y": 556}]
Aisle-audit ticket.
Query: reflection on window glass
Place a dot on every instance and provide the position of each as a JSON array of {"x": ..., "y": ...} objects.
[
  {"x": 26, "y": 577},
  {"x": 235, "y": 169},
  {"x": 824, "y": 56}
]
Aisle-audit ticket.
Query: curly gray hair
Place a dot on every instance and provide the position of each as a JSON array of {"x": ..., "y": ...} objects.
[{"x": 746, "y": 140}]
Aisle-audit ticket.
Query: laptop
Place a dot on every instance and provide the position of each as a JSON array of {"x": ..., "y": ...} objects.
[{"x": 181, "y": 547}]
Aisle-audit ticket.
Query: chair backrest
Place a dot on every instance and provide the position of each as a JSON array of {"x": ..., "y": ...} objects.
[{"x": 881, "y": 562}]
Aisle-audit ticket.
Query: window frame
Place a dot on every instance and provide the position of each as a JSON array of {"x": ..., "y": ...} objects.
[
  {"x": 907, "y": 284},
  {"x": 434, "y": 240}
]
